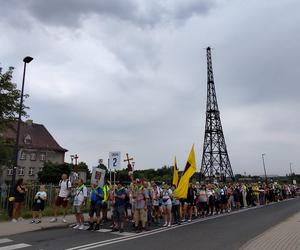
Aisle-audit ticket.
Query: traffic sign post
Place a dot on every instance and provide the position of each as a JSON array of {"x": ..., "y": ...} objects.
[{"x": 115, "y": 160}]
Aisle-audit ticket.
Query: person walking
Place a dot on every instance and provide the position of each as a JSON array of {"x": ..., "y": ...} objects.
[
  {"x": 96, "y": 197},
  {"x": 175, "y": 208},
  {"x": 141, "y": 200},
  {"x": 80, "y": 198},
  {"x": 62, "y": 198},
  {"x": 203, "y": 200},
  {"x": 106, "y": 189},
  {"x": 119, "y": 208},
  {"x": 20, "y": 191},
  {"x": 167, "y": 205},
  {"x": 39, "y": 205}
]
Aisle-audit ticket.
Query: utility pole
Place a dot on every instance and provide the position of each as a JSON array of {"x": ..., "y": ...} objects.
[{"x": 263, "y": 159}]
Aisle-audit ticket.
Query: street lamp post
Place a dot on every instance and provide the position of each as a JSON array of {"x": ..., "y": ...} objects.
[
  {"x": 26, "y": 60},
  {"x": 263, "y": 159},
  {"x": 291, "y": 172}
]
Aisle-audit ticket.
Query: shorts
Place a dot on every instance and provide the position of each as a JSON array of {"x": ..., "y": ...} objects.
[
  {"x": 211, "y": 201},
  {"x": 38, "y": 206},
  {"x": 95, "y": 209},
  {"x": 224, "y": 199},
  {"x": 189, "y": 203},
  {"x": 203, "y": 205},
  {"x": 140, "y": 214},
  {"x": 167, "y": 206},
  {"x": 156, "y": 208},
  {"x": 77, "y": 210},
  {"x": 119, "y": 213},
  {"x": 60, "y": 201}
]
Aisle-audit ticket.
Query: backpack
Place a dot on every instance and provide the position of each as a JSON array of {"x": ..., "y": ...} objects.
[{"x": 68, "y": 182}]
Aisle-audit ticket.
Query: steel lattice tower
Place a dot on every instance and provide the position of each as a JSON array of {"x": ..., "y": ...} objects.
[{"x": 215, "y": 161}]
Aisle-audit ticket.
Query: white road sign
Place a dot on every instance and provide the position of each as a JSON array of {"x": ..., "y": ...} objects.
[{"x": 115, "y": 160}]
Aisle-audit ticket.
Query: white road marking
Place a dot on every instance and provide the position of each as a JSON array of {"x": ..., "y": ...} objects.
[
  {"x": 16, "y": 246},
  {"x": 104, "y": 230},
  {"x": 5, "y": 240},
  {"x": 124, "y": 233},
  {"x": 155, "y": 231}
]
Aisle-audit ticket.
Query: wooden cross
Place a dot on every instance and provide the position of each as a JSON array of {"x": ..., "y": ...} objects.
[{"x": 128, "y": 162}]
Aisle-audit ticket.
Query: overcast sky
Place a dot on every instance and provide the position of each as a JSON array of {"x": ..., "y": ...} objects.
[{"x": 130, "y": 76}]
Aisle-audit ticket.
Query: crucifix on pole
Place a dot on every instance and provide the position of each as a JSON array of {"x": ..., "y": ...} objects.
[{"x": 129, "y": 167}]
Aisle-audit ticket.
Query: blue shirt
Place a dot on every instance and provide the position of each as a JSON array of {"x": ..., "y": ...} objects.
[
  {"x": 118, "y": 201},
  {"x": 97, "y": 195}
]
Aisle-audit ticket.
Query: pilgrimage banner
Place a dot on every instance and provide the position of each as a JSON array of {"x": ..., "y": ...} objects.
[{"x": 98, "y": 174}]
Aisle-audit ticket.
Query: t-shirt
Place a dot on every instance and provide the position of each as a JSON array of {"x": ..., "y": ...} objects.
[
  {"x": 202, "y": 195},
  {"x": 40, "y": 197},
  {"x": 97, "y": 195},
  {"x": 166, "y": 197},
  {"x": 119, "y": 201},
  {"x": 156, "y": 195},
  {"x": 141, "y": 196},
  {"x": 209, "y": 192},
  {"x": 80, "y": 195},
  {"x": 41, "y": 194},
  {"x": 64, "y": 186}
]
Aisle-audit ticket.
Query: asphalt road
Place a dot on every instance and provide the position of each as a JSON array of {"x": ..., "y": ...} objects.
[{"x": 228, "y": 231}]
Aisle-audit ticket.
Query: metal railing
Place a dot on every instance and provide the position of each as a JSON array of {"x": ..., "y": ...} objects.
[{"x": 51, "y": 191}]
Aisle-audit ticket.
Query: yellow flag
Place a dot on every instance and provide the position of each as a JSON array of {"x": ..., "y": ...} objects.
[
  {"x": 190, "y": 168},
  {"x": 175, "y": 174}
]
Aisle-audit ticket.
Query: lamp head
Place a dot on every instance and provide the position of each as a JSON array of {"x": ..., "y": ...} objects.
[{"x": 27, "y": 59}]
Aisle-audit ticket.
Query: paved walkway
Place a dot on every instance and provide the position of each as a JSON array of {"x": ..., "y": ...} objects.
[
  {"x": 10, "y": 228},
  {"x": 285, "y": 235}
]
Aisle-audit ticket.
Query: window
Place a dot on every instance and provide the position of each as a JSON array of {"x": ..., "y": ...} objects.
[
  {"x": 43, "y": 157},
  {"x": 23, "y": 156},
  {"x": 31, "y": 172},
  {"x": 33, "y": 156},
  {"x": 27, "y": 139},
  {"x": 9, "y": 171},
  {"x": 21, "y": 171}
]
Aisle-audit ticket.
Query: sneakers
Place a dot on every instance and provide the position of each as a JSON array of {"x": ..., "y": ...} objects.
[
  {"x": 81, "y": 227},
  {"x": 64, "y": 220},
  {"x": 169, "y": 225},
  {"x": 14, "y": 221},
  {"x": 38, "y": 221},
  {"x": 97, "y": 227},
  {"x": 91, "y": 227},
  {"x": 53, "y": 220},
  {"x": 76, "y": 227},
  {"x": 189, "y": 220},
  {"x": 166, "y": 224},
  {"x": 33, "y": 221}
]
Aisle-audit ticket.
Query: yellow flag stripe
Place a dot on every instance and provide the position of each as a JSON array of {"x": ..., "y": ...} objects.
[
  {"x": 175, "y": 174},
  {"x": 182, "y": 188}
]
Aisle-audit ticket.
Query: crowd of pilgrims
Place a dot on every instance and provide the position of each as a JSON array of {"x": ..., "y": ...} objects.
[{"x": 145, "y": 203}]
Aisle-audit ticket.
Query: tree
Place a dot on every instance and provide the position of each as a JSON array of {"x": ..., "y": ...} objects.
[
  {"x": 51, "y": 172},
  {"x": 83, "y": 167},
  {"x": 9, "y": 110}
]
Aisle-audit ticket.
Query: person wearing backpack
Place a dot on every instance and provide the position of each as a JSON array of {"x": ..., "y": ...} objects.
[
  {"x": 62, "y": 198},
  {"x": 80, "y": 198},
  {"x": 96, "y": 198}
]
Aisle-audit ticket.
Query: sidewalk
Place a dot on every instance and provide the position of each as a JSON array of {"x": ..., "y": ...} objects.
[
  {"x": 285, "y": 235},
  {"x": 10, "y": 228}
]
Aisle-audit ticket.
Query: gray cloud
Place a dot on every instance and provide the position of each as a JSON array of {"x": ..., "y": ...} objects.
[
  {"x": 131, "y": 76},
  {"x": 71, "y": 13}
]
